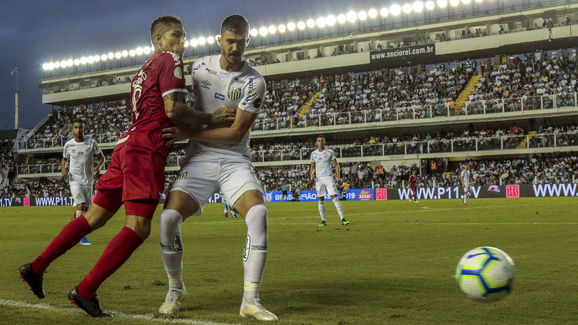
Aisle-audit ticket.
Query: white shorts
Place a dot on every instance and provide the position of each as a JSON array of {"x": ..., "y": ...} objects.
[
  {"x": 81, "y": 193},
  {"x": 466, "y": 188},
  {"x": 201, "y": 179},
  {"x": 325, "y": 183}
]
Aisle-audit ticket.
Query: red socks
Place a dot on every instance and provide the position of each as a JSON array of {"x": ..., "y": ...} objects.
[
  {"x": 115, "y": 254},
  {"x": 68, "y": 237}
]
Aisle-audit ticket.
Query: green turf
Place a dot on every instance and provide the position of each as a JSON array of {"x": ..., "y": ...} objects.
[{"x": 394, "y": 264}]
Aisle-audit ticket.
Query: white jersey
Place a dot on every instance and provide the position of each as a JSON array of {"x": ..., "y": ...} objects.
[
  {"x": 214, "y": 88},
  {"x": 323, "y": 162},
  {"x": 465, "y": 176},
  {"x": 81, "y": 159}
]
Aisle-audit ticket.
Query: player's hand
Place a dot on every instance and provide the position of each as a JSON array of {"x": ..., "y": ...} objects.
[
  {"x": 224, "y": 116},
  {"x": 173, "y": 134}
]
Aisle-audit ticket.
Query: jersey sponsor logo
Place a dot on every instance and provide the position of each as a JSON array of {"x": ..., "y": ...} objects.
[
  {"x": 206, "y": 84},
  {"x": 122, "y": 140},
  {"x": 198, "y": 66},
  {"x": 178, "y": 73},
  {"x": 219, "y": 96},
  {"x": 247, "y": 249},
  {"x": 211, "y": 71}
]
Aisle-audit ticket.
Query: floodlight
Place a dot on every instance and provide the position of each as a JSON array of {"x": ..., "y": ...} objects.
[
  {"x": 272, "y": 29},
  {"x": 254, "y": 32},
  {"x": 301, "y": 25},
  {"x": 454, "y": 3},
  {"x": 132, "y": 53},
  {"x": 96, "y": 58},
  {"x": 406, "y": 8},
  {"x": 82, "y": 60},
  {"x": 466, "y": 2},
  {"x": 395, "y": 10},
  {"x": 147, "y": 50},
  {"x": 117, "y": 55},
  {"x": 194, "y": 43},
  {"x": 341, "y": 19},
  {"x": 351, "y": 16},
  {"x": 372, "y": 13},
  {"x": 262, "y": 32},
  {"x": 124, "y": 53},
  {"x": 310, "y": 23},
  {"x": 281, "y": 28},
  {"x": 384, "y": 12},
  {"x": 418, "y": 6},
  {"x": 330, "y": 20},
  {"x": 320, "y": 22},
  {"x": 291, "y": 26},
  {"x": 442, "y": 3},
  {"x": 211, "y": 39},
  {"x": 103, "y": 57},
  {"x": 362, "y": 15},
  {"x": 430, "y": 5}
]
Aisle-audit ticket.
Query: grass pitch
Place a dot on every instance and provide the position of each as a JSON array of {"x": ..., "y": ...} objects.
[{"x": 393, "y": 264}]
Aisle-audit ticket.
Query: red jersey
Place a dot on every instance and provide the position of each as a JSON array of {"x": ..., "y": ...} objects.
[
  {"x": 160, "y": 75},
  {"x": 412, "y": 180}
]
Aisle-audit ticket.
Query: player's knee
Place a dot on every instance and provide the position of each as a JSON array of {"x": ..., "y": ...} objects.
[
  {"x": 140, "y": 225},
  {"x": 257, "y": 217},
  {"x": 170, "y": 220}
]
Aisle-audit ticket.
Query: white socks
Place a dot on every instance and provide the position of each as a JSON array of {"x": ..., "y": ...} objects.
[
  {"x": 172, "y": 247},
  {"x": 255, "y": 252},
  {"x": 321, "y": 206},
  {"x": 338, "y": 207}
]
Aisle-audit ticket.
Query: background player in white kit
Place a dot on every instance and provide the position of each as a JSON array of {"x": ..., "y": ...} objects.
[
  {"x": 219, "y": 159},
  {"x": 78, "y": 169},
  {"x": 322, "y": 162},
  {"x": 465, "y": 180}
]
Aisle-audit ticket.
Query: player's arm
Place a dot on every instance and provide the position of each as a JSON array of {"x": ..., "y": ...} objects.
[
  {"x": 185, "y": 117},
  {"x": 337, "y": 170},
  {"x": 245, "y": 115},
  {"x": 64, "y": 168},
  {"x": 99, "y": 164},
  {"x": 312, "y": 170}
]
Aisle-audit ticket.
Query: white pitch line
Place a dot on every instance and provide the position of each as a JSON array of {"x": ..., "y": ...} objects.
[{"x": 150, "y": 318}]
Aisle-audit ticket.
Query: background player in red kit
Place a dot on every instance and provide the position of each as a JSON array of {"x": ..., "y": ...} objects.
[
  {"x": 135, "y": 177},
  {"x": 412, "y": 183}
]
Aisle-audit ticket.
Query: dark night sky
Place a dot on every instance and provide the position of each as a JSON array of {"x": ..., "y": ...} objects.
[{"x": 35, "y": 32}]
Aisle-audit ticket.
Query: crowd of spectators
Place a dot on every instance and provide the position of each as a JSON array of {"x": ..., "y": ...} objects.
[
  {"x": 484, "y": 173},
  {"x": 103, "y": 122}
]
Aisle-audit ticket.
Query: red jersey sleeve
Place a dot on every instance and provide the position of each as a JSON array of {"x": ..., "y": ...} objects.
[{"x": 171, "y": 76}]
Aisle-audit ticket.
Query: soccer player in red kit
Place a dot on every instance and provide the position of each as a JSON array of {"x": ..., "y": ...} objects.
[
  {"x": 136, "y": 176},
  {"x": 412, "y": 182}
]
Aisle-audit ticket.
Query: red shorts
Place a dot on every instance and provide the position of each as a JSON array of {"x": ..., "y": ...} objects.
[
  {"x": 135, "y": 177},
  {"x": 413, "y": 188}
]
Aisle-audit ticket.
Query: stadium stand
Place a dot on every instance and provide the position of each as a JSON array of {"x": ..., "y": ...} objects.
[{"x": 510, "y": 109}]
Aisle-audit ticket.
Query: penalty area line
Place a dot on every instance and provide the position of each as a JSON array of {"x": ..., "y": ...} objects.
[{"x": 150, "y": 318}]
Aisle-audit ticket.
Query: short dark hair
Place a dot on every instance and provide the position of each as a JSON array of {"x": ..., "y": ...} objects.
[
  {"x": 164, "y": 21},
  {"x": 77, "y": 120},
  {"x": 236, "y": 24},
  {"x": 321, "y": 136}
]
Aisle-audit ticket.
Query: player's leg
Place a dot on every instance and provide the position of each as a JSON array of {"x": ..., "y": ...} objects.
[
  {"x": 320, "y": 189},
  {"x": 188, "y": 195},
  {"x": 241, "y": 187},
  {"x": 332, "y": 191},
  {"x": 82, "y": 206},
  {"x": 33, "y": 272},
  {"x": 179, "y": 205},
  {"x": 225, "y": 209},
  {"x": 252, "y": 207},
  {"x": 466, "y": 192},
  {"x": 117, "y": 252}
]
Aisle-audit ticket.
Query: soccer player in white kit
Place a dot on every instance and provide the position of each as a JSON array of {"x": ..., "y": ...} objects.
[
  {"x": 465, "y": 180},
  {"x": 79, "y": 170},
  {"x": 322, "y": 161},
  {"x": 219, "y": 159}
]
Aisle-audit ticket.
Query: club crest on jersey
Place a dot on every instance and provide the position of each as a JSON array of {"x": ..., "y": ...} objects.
[
  {"x": 178, "y": 73},
  {"x": 206, "y": 84},
  {"x": 182, "y": 176},
  {"x": 235, "y": 93}
]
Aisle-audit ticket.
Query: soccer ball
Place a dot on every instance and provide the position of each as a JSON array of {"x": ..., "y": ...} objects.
[{"x": 486, "y": 274}]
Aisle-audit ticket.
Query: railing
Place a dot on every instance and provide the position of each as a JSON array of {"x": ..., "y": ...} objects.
[
  {"x": 60, "y": 140},
  {"x": 479, "y": 107},
  {"x": 471, "y": 144}
]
